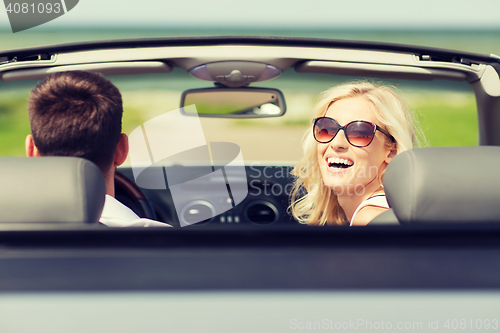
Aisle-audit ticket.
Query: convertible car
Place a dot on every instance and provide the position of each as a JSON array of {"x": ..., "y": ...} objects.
[{"x": 215, "y": 126}]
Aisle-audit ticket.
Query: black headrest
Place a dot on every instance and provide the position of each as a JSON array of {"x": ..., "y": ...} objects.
[
  {"x": 445, "y": 184},
  {"x": 50, "y": 189}
]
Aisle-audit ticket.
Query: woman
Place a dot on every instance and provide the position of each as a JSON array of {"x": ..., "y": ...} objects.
[{"x": 357, "y": 129}]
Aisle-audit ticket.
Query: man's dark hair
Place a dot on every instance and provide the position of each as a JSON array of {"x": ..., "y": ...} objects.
[{"x": 76, "y": 114}]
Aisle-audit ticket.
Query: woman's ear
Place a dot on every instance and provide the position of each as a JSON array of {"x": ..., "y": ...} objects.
[
  {"x": 30, "y": 148},
  {"x": 391, "y": 154}
]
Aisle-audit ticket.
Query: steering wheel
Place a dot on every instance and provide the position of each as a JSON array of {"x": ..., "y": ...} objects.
[{"x": 132, "y": 196}]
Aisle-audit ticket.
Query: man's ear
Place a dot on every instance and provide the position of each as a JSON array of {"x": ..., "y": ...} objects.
[
  {"x": 121, "y": 151},
  {"x": 29, "y": 146}
]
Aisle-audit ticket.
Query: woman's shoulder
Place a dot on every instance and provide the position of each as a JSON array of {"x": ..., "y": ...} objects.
[
  {"x": 369, "y": 209},
  {"x": 378, "y": 200}
]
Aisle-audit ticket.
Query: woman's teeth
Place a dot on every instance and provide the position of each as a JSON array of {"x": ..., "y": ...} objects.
[{"x": 336, "y": 162}]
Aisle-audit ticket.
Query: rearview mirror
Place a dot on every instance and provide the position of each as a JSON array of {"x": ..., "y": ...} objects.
[{"x": 234, "y": 102}]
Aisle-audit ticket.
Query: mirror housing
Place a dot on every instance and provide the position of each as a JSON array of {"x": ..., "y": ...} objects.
[{"x": 234, "y": 102}]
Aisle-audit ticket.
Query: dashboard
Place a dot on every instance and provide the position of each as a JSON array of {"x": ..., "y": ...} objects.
[{"x": 266, "y": 202}]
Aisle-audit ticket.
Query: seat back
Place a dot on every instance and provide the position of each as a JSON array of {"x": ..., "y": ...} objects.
[
  {"x": 50, "y": 189},
  {"x": 445, "y": 184},
  {"x": 386, "y": 218}
]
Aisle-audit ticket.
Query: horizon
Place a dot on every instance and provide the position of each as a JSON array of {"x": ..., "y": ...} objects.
[{"x": 479, "y": 40}]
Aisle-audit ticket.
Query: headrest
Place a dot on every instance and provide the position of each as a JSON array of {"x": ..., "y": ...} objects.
[
  {"x": 50, "y": 189},
  {"x": 445, "y": 184}
]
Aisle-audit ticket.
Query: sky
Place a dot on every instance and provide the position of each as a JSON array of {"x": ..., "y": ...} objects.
[{"x": 284, "y": 13}]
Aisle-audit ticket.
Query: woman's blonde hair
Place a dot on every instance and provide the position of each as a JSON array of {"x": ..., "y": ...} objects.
[{"x": 312, "y": 202}]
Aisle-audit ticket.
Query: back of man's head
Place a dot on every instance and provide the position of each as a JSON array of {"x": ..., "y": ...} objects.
[{"x": 76, "y": 114}]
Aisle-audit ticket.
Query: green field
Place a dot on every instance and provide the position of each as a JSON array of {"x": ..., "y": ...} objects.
[{"x": 447, "y": 119}]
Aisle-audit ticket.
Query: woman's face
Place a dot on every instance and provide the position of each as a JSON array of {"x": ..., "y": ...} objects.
[{"x": 347, "y": 169}]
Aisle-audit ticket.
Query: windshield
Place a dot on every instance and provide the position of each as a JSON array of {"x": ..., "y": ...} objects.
[{"x": 446, "y": 111}]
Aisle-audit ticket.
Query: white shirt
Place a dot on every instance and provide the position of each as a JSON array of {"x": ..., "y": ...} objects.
[
  {"x": 378, "y": 200},
  {"x": 116, "y": 214}
]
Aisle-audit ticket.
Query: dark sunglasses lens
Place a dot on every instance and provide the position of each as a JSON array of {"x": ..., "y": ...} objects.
[
  {"x": 359, "y": 133},
  {"x": 325, "y": 129}
]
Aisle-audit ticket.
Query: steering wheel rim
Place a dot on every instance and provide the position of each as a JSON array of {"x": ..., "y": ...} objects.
[{"x": 142, "y": 206}]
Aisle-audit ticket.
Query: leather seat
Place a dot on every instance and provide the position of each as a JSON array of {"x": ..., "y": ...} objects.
[
  {"x": 50, "y": 189},
  {"x": 443, "y": 185}
]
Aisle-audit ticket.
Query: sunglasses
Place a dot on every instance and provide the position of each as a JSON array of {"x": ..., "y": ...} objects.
[{"x": 358, "y": 133}]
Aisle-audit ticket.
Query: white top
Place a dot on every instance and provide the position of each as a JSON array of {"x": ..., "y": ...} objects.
[
  {"x": 378, "y": 200},
  {"x": 116, "y": 214}
]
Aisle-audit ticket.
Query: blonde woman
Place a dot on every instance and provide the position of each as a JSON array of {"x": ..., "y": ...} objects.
[{"x": 357, "y": 129}]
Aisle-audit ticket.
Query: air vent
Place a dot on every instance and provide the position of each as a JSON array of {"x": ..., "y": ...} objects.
[
  {"x": 261, "y": 212},
  {"x": 199, "y": 210}
]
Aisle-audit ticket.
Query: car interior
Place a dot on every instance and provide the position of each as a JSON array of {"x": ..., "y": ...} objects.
[{"x": 225, "y": 79}]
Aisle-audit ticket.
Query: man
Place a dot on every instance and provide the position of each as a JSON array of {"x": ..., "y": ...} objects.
[{"x": 80, "y": 114}]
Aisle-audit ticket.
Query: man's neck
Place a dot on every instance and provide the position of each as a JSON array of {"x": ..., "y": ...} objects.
[{"x": 109, "y": 178}]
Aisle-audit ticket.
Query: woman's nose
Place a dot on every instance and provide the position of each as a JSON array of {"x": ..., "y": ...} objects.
[{"x": 339, "y": 142}]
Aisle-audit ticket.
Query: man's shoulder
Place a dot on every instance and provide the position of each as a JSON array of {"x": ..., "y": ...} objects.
[{"x": 116, "y": 214}]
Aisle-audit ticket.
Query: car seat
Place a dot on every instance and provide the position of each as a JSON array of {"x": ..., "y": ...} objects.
[
  {"x": 443, "y": 185},
  {"x": 50, "y": 189}
]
